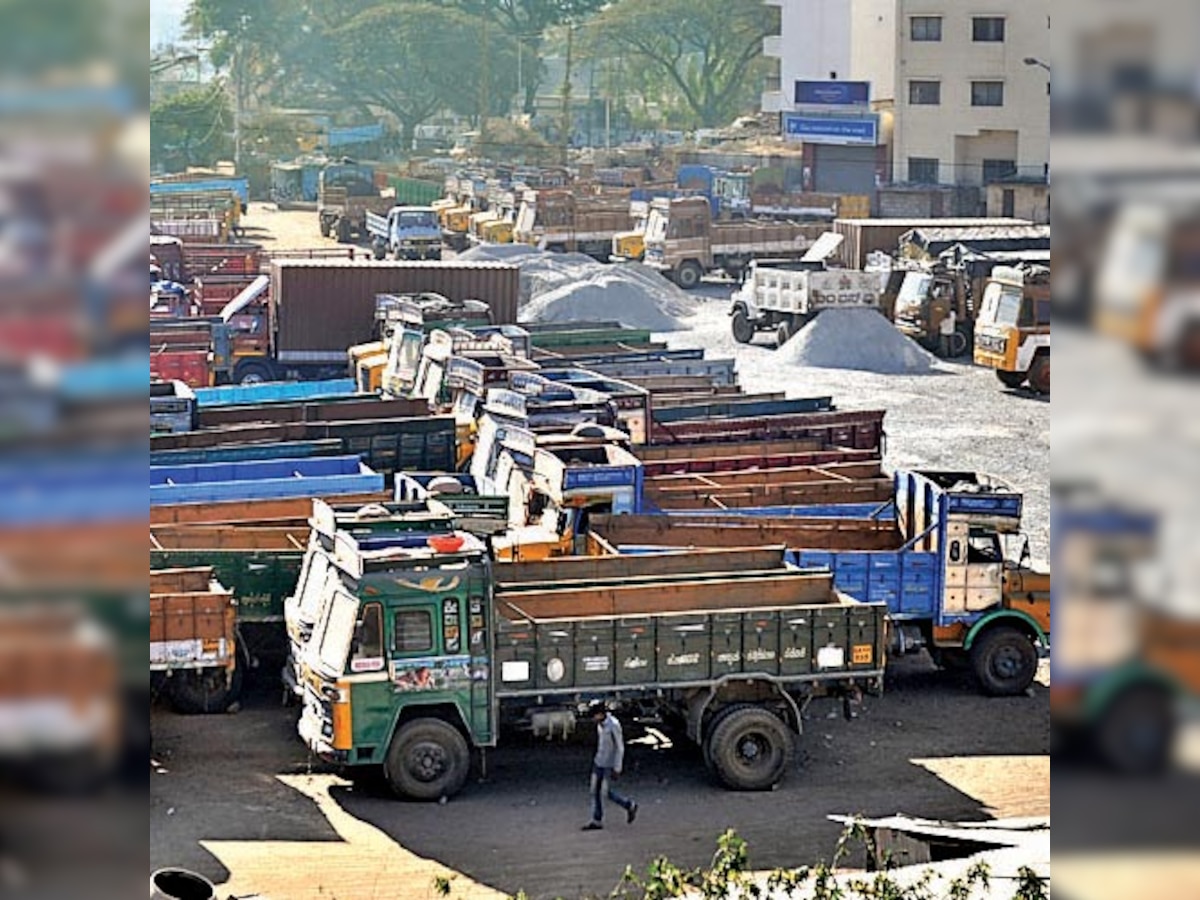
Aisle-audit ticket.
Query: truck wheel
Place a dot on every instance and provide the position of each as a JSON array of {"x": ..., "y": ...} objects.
[
  {"x": 326, "y": 226},
  {"x": 751, "y": 749},
  {"x": 1011, "y": 380},
  {"x": 253, "y": 373},
  {"x": 1004, "y": 661},
  {"x": 743, "y": 329},
  {"x": 1039, "y": 374},
  {"x": 782, "y": 333},
  {"x": 204, "y": 691},
  {"x": 378, "y": 250},
  {"x": 344, "y": 231},
  {"x": 1136, "y": 733},
  {"x": 428, "y": 759},
  {"x": 688, "y": 274},
  {"x": 959, "y": 343}
]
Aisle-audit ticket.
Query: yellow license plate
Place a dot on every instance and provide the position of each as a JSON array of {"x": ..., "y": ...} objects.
[{"x": 862, "y": 654}]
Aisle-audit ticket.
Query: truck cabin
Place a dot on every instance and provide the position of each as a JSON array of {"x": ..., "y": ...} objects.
[
  {"x": 630, "y": 245},
  {"x": 1017, "y": 299},
  {"x": 408, "y": 626},
  {"x": 681, "y": 218},
  {"x": 926, "y": 297},
  {"x": 527, "y": 218},
  {"x": 412, "y": 218}
]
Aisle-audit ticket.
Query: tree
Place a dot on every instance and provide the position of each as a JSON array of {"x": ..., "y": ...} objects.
[
  {"x": 526, "y": 21},
  {"x": 190, "y": 128},
  {"x": 413, "y": 59},
  {"x": 709, "y": 51}
]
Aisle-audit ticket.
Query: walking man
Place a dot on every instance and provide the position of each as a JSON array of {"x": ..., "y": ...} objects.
[
  {"x": 946, "y": 334},
  {"x": 610, "y": 755}
]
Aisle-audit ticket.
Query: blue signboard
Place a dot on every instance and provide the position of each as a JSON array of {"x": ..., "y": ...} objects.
[
  {"x": 833, "y": 93},
  {"x": 859, "y": 130}
]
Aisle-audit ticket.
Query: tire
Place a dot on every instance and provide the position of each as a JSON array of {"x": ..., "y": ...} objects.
[
  {"x": 344, "y": 231},
  {"x": 253, "y": 373},
  {"x": 378, "y": 250},
  {"x": 428, "y": 759},
  {"x": 960, "y": 343},
  {"x": 706, "y": 745},
  {"x": 1039, "y": 374},
  {"x": 1136, "y": 733},
  {"x": 743, "y": 330},
  {"x": 1004, "y": 661},
  {"x": 205, "y": 691},
  {"x": 326, "y": 227},
  {"x": 782, "y": 333},
  {"x": 688, "y": 274},
  {"x": 1012, "y": 380},
  {"x": 751, "y": 749}
]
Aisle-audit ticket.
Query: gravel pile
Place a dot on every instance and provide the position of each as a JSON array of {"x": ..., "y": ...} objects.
[
  {"x": 571, "y": 287},
  {"x": 856, "y": 339}
]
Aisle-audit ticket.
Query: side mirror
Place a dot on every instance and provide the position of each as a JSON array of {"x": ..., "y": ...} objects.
[{"x": 1025, "y": 553}]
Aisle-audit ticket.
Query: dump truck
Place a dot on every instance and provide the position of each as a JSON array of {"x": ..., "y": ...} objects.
[
  {"x": 562, "y": 221},
  {"x": 193, "y": 639},
  {"x": 406, "y": 232},
  {"x": 346, "y": 192},
  {"x": 1012, "y": 332},
  {"x": 924, "y": 300},
  {"x": 949, "y": 584},
  {"x": 1126, "y": 663},
  {"x": 684, "y": 242},
  {"x": 782, "y": 298},
  {"x": 424, "y": 650}
]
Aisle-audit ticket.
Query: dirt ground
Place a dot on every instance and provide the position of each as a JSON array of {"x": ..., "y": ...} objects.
[{"x": 234, "y": 795}]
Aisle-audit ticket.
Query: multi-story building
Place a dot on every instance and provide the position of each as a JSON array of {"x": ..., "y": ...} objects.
[{"x": 965, "y": 85}]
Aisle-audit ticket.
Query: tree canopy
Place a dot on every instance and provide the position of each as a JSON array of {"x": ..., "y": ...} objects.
[
  {"x": 708, "y": 51},
  {"x": 190, "y": 128}
]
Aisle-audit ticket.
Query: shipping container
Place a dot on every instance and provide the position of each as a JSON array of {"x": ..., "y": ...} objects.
[
  {"x": 865, "y": 236},
  {"x": 323, "y": 307}
]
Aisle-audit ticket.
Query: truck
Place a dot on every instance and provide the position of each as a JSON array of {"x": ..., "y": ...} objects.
[
  {"x": 562, "y": 221},
  {"x": 193, "y": 639},
  {"x": 425, "y": 650},
  {"x": 1126, "y": 663},
  {"x": 630, "y": 246},
  {"x": 406, "y": 232},
  {"x": 685, "y": 243},
  {"x": 294, "y": 332},
  {"x": 925, "y": 298},
  {"x": 948, "y": 583},
  {"x": 782, "y": 298},
  {"x": 1012, "y": 332},
  {"x": 346, "y": 192}
]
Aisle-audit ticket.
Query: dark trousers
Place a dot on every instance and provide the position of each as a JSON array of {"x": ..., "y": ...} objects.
[{"x": 602, "y": 785}]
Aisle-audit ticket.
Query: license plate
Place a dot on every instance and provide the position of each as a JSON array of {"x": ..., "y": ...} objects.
[{"x": 862, "y": 654}]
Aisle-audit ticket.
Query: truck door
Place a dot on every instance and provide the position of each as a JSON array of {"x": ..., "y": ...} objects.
[{"x": 974, "y": 565}]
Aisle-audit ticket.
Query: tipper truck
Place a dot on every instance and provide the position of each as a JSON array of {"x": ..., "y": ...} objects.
[
  {"x": 406, "y": 232},
  {"x": 424, "y": 650},
  {"x": 1012, "y": 333},
  {"x": 949, "y": 586},
  {"x": 685, "y": 243}
]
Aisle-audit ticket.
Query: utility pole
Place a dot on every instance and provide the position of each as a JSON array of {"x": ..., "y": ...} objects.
[
  {"x": 483, "y": 90},
  {"x": 239, "y": 80},
  {"x": 566, "y": 99}
]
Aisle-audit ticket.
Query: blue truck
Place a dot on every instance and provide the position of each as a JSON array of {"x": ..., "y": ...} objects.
[
  {"x": 261, "y": 479},
  {"x": 238, "y": 184},
  {"x": 950, "y": 586}
]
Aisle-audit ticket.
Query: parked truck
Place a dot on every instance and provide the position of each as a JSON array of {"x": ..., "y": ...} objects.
[
  {"x": 346, "y": 192},
  {"x": 685, "y": 243},
  {"x": 406, "y": 232},
  {"x": 949, "y": 584},
  {"x": 563, "y": 221},
  {"x": 423, "y": 651},
  {"x": 1012, "y": 333},
  {"x": 924, "y": 300},
  {"x": 783, "y": 298}
]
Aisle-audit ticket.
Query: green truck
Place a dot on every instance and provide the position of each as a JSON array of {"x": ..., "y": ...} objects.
[{"x": 422, "y": 650}]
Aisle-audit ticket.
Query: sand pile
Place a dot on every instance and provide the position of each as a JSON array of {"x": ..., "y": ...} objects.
[
  {"x": 571, "y": 287},
  {"x": 856, "y": 339}
]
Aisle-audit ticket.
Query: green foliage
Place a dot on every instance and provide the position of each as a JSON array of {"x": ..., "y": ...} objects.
[
  {"x": 413, "y": 59},
  {"x": 1030, "y": 885},
  {"x": 707, "y": 52},
  {"x": 190, "y": 128}
]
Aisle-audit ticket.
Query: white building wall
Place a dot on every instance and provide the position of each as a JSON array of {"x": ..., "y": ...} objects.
[{"x": 814, "y": 44}]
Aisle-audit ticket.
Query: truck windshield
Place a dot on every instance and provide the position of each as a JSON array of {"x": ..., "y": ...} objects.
[
  {"x": 418, "y": 219},
  {"x": 656, "y": 226},
  {"x": 913, "y": 291},
  {"x": 1001, "y": 304},
  {"x": 335, "y": 634}
]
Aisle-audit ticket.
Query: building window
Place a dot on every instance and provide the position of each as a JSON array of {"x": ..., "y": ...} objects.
[
  {"x": 998, "y": 170},
  {"x": 987, "y": 29},
  {"x": 922, "y": 170},
  {"x": 924, "y": 93},
  {"x": 987, "y": 93},
  {"x": 926, "y": 28}
]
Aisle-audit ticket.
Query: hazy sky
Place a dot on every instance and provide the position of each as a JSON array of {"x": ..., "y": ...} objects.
[{"x": 166, "y": 20}]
